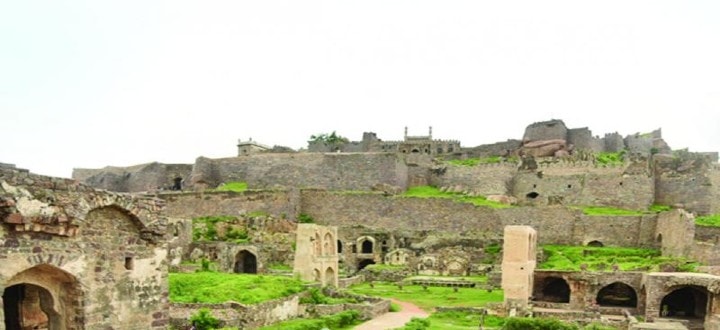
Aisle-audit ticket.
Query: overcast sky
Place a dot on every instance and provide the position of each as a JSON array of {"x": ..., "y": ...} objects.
[{"x": 95, "y": 83}]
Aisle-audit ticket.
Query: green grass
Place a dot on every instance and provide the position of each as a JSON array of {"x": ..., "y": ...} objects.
[
  {"x": 280, "y": 267},
  {"x": 606, "y": 210},
  {"x": 657, "y": 208},
  {"x": 233, "y": 186},
  {"x": 377, "y": 268},
  {"x": 476, "y": 278},
  {"x": 462, "y": 320},
  {"x": 708, "y": 220},
  {"x": 209, "y": 287},
  {"x": 561, "y": 257},
  {"x": 433, "y": 192},
  {"x": 610, "y": 158},
  {"x": 475, "y": 161},
  {"x": 433, "y": 296},
  {"x": 340, "y": 321}
]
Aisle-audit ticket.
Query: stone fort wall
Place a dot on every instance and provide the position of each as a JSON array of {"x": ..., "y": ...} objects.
[
  {"x": 555, "y": 225},
  {"x": 583, "y": 183},
  {"x": 200, "y": 204},
  {"x": 484, "y": 179},
  {"x": 144, "y": 177},
  {"x": 333, "y": 171}
]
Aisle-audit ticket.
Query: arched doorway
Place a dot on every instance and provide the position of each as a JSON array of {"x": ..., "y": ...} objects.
[
  {"x": 555, "y": 289},
  {"x": 364, "y": 263},
  {"x": 245, "y": 262},
  {"x": 689, "y": 302},
  {"x": 339, "y": 246},
  {"x": 366, "y": 247},
  {"x": 595, "y": 244},
  {"x": 329, "y": 277},
  {"x": 617, "y": 295},
  {"x": 42, "y": 297}
]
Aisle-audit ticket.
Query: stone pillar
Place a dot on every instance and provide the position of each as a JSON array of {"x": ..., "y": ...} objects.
[{"x": 518, "y": 265}]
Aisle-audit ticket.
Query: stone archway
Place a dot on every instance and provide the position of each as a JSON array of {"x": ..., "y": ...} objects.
[
  {"x": 42, "y": 297},
  {"x": 555, "y": 289},
  {"x": 245, "y": 262},
  {"x": 617, "y": 294},
  {"x": 687, "y": 302},
  {"x": 329, "y": 276}
]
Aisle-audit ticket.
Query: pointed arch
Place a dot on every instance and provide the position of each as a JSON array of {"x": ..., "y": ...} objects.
[
  {"x": 555, "y": 289},
  {"x": 328, "y": 244},
  {"x": 43, "y": 295},
  {"x": 245, "y": 262},
  {"x": 329, "y": 276}
]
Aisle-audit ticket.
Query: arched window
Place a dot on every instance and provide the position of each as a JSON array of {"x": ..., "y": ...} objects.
[{"x": 554, "y": 289}]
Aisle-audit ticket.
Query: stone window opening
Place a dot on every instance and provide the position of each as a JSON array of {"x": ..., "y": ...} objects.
[
  {"x": 569, "y": 186},
  {"x": 354, "y": 248},
  {"x": 532, "y": 195},
  {"x": 177, "y": 183},
  {"x": 621, "y": 183},
  {"x": 659, "y": 238},
  {"x": 339, "y": 246},
  {"x": 367, "y": 247},
  {"x": 689, "y": 302},
  {"x": 617, "y": 294},
  {"x": 129, "y": 263}
]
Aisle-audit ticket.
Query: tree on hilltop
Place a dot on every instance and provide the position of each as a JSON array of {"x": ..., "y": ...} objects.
[{"x": 332, "y": 138}]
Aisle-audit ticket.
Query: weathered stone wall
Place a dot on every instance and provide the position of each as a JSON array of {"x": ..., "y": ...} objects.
[
  {"x": 585, "y": 286},
  {"x": 496, "y": 149},
  {"x": 675, "y": 232},
  {"x": 555, "y": 225},
  {"x": 582, "y": 138},
  {"x": 715, "y": 189},
  {"x": 333, "y": 171},
  {"x": 488, "y": 179},
  {"x": 393, "y": 213},
  {"x": 234, "y": 314},
  {"x": 144, "y": 177},
  {"x": 584, "y": 184},
  {"x": 101, "y": 256},
  {"x": 200, "y": 204},
  {"x": 546, "y": 130},
  {"x": 686, "y": 180}
]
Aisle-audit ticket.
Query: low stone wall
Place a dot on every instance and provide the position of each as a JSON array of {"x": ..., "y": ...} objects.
[
  {"x": 707, "y": 233},
  {"x": 350, "y": 281},
  {"x": 232, "y": 314}
]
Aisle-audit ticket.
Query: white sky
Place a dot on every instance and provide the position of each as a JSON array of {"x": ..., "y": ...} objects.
[{"x": 96, "y": 83}]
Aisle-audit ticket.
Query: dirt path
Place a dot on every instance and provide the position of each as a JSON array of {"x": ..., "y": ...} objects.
[{"x": 394, "y": 319}]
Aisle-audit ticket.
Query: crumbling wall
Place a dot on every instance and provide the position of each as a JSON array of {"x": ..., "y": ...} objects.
[
  {"x": 334, "y": 171},
  {"x": 198, "y": 204},
  {"x": 686, "y": 180},
  {"x": 546, "y": 130},
  {"x": 144, "y": 177},
  {"x": 582, "y": 138},
  {"x": 675, "y": 233},
  {"x": 102, "y": 256},
  {"x": 487, "y": 179},
  {"x": 583, "y": 183}
]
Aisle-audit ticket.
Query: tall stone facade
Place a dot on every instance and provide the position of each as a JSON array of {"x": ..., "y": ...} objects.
[
  {"x": 78, "y": 258},
  {"x": 316, "y": 255}
]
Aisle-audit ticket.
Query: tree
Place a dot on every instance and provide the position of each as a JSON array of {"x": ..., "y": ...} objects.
[{"x": 332, "y": 138}]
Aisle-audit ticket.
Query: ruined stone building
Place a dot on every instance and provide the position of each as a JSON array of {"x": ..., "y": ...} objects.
[
  {"x": 360, "y": 218},
  {"x": 78, "y": 258}
]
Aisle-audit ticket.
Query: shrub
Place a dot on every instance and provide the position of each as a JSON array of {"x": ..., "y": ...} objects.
[
  {"x": 204, "y": 320},
  {"x": 708, "y": 220},
  {"x": 522, "y": 323},
  {"x": 304, "y": 218},
  {"x": 416, "y": 324},
  {"x": 233, "y": 186}
]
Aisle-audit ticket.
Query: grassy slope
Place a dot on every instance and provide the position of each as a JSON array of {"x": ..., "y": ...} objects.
[
  {"x": 432, "y": 297},
  {"x": 209, "y": 287},
  {"x": 561, "y": 257}
]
